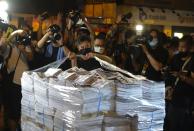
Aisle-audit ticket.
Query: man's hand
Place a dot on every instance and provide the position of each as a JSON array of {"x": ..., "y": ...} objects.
[
  {"x": 144, "y": 48},
  {"x": 88, "y": 56},
  {"x": 119, "y": 18},
  {"x": 69, "y": 23},
  {"x": 21, "y": 47},
  {"x": 182, "y": 75},
  {"x": 71, "y": 55},
  {"x": 3, "y": 39}
]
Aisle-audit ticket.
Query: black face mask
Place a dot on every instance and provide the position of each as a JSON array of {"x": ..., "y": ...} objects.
[
  {"x": 85, "y": 51},
  {"x": 183, "y": 54}
]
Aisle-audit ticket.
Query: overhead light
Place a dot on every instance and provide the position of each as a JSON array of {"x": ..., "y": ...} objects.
[
  {"x": 139, "y": 27},
  {"x": 4, "y": 16},
  {"x": 4, "y": 6},
  {"x": 179, "y": 35}
]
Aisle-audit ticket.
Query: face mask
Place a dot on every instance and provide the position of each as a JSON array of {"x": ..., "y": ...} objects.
[
  {"x": 99, "y": 49},
  {"x": 153, "y": 43},
  {"x": 85, "y": 51},
  {"x": 183, "y": 54}
]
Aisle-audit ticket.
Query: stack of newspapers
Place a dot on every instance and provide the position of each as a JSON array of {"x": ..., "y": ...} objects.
[
  {"x": 105, "y": 99},
  {"x": 143, "y": 98},
  {"x": 72, "y": 100}
]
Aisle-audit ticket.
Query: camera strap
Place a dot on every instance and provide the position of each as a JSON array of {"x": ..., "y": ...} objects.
[{"x": 184, "y": 65}]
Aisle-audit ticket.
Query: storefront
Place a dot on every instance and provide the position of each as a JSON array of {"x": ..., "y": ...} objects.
[{"x": 169, "y": 21}]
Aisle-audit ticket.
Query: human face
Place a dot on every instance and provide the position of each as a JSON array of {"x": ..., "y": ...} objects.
[
  {"x": 153, "y": 34},
  {"x": 99, "y": 42},
  {"x": 84, "y": 45},
  {"x": 99, "y": 46},
  {"x": 183, "y": 47}
]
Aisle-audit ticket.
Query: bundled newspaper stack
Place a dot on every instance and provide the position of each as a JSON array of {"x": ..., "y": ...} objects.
[
  {"x": 154, "y": 92},
  {"x": 74, "y": 100},
  {"x": 142, "y": 98}
]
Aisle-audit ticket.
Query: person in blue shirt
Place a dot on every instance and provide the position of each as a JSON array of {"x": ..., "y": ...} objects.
[{"x": 52, "y": 47}]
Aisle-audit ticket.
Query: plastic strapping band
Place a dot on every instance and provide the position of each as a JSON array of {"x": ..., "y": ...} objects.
[
  {"x": 99, "y": 101},
  {"x": 43, "y": 117},
  {"x": 29, "y": 108},
  {"x": 151, "y": 121},
  {"x": 63, "y": 126}
]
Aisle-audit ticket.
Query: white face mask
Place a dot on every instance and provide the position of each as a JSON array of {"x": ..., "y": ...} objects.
[
  {"x": 153, "y": 43},
  {"x": 99, "y": 49}
]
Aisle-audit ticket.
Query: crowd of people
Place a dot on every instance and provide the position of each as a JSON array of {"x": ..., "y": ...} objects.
[{"x": 153, "y": 54}]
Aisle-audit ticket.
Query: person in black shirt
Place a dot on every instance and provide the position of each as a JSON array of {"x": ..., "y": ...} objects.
[
  {"x": 86, "y": 58},
  {"x": 180, "y": 89},
  {"x": 135, "y": 56},
  {"x": 156, "y": 55}
]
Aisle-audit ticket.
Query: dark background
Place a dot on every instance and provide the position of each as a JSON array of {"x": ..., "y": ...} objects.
[
  {"x": 53, "y": 6},
  {"x": 39, "y": 6}
]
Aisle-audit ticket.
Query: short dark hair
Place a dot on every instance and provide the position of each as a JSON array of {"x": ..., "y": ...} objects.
[
  {"x": 155, "y": 30},
  {"x": 174, "y": 42},
  {"x": 101, "y": 36},
  {"x": 83, "y": 38},
  {"x": 187, "y": 39}
]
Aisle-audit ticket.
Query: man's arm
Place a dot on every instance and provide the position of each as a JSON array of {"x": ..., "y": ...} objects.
[
  {"x": 43, "y": 40},
  {"x": 154, "y": 63},
  {"x": 27, "y": 51},
  {"x": 114, "y": 27}
]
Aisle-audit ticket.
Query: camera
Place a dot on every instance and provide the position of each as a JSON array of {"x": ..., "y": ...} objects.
[
  {"x": 141, "y": 40},
  {"x": 24, "y": 40},
  {"x": 126, "y": 17},
  {"x": 74, "y": 15},
  {"x": 55, "y": 29}
]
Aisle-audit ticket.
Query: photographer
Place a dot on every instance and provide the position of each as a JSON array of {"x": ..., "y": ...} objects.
[
  {"x": 135, "y": 57},
  {"x": 100, "y": 48},
  {"x": 116, "y": 43},
  {"x": 180, "y": 89},
  {"x": 156, "y": 55},
  {"x": 76, "y": 26},
  {"x": 52, "y": 45},
  {"x": 16, "y": 54}
]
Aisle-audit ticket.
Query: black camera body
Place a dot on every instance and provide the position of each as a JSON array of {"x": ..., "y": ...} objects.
[
  {"x": 126, "y": 17},
  {"x": 55, "y": 29},
  {"x": 74, "y": 15},
  {"x": 24, "y": 40}
]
